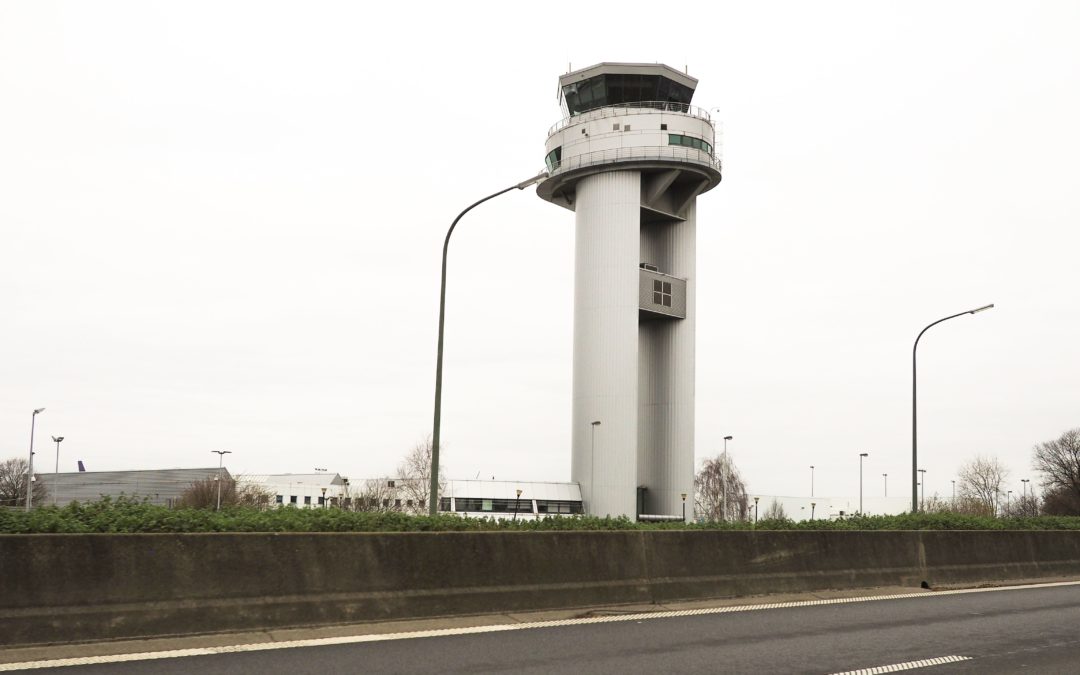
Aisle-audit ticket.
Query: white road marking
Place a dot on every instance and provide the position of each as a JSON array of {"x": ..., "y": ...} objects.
[
  {"x": 473, "y": 630},
  {"x": 910, "y": 665}
]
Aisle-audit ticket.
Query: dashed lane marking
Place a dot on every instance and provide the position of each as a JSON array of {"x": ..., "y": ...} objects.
[
  {"x": 910, "y": 665},
  {"x": 474, "y": 630}
]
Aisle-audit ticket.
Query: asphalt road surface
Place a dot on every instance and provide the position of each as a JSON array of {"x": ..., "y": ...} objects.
[{"x": 1035, "y": 630}]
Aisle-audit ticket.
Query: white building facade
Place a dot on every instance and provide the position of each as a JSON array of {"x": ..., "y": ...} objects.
[{"x": 630, "y": 159}]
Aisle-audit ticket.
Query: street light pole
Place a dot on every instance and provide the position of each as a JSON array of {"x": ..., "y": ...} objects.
[
  {"x": 30, "y": 469},
  {"x": 723, "y": 482},
  {"x": 811, "y": 480},
  {"x": 434, "y": 489},
  {"x": 592, "y": 465},
  {"x": 886, "y": 477},
  {"x": 221, "y": 455},
  {"x": 56, "y": 471},
  {"x": 861, "y": 456},
  {"x": 914, "y": 406},
  {"x": 953, "y": 493},
  {"x": 683, "y": 507}
]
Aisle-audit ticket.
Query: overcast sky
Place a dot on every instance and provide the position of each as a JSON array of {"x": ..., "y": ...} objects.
[{"x": 221, "y": 227}]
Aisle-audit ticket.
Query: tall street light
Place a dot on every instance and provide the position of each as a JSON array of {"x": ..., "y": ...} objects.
[
  {"x": 56, "y": 471},
  {"x": 433, "y": 503},
  {"x": 953, "y": 493},
  {"x": 723, "y": 483},
  {"x": 811, "y": 480},
  {"x": 914, "y": 406},
  {"x": 221, "y": 455},
  {"x": 861, "y": 456},
  {"x": 1024, "y": 481},
  {"x": 30, "y": 470},
  {"x": 886, "y": 477}
]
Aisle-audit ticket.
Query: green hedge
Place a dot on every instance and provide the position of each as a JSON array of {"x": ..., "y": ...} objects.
[{"x": 126, "y": 515}]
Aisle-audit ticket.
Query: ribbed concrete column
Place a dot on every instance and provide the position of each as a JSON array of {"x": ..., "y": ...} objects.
[
  {"x": 607, "y": 210},
  {"x": 666, "y": 376}
]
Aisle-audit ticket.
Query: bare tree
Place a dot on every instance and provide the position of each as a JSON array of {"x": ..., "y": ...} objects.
[
  {"x": 1060, "y": 502},
  {"x": 1024, "y": 506},
  {"x": 719, "y": 490},
  {"x": 980, "y": 480},
  {"x": 775, "y": 511},
  {"x": 13, "y": 484},
  {"x": 373, "y": 494},
  {"x": 1059, "y": 463},
  {"x": 414, "y": 476},
  {"x": 235, "y": 491}
]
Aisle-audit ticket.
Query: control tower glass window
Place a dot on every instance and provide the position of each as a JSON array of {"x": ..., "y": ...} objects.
[{"x": 616, "y": 89}]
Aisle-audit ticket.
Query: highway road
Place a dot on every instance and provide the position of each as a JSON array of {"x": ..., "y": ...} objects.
[{"x": 1032, "y": 629}]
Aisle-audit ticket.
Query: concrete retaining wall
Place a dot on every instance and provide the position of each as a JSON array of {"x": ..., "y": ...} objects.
[{"x": 61, "y": 588}]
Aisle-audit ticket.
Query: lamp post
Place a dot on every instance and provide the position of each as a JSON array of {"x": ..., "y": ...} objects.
[
  {"x": 517, "y": 503},
  {"x": 323, "y": 497},
  {"x": 812, "y": 505},
  {"x": 811, "y": 480},
  {"x": 922, "y": 482},
  {"x": 30, "y": 469},
  {"x": 1024, "y": 482},
  {"x": 755, "y": 511},
  {"x": 861, "y": 456},
  {"x": 914, "y": 406},
  {"x": 886, "y": 477},
  {"x": 953, "y": 493},
  {"x": 1008, "y": 501},
  {"x": 56, "y": 471},
  {"x": 221, "y": 455},
  {"x": 434, "y": 490},
  {"x": 592, "y": 463},
  {"x": 684, "y": 507}
]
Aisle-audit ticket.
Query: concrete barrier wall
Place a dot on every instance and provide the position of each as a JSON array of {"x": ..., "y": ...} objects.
[{"x": 61, "y": 588}]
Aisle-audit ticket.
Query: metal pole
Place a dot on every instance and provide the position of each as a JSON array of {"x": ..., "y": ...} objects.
[
  {"x": 221, "y": 455},
  {"x": 434, "y": 488},
  {"x": 861, "y": 456},
  {"x": 886, "y": 477},
  {"x": 914, "y": 407},
  {"x": 592, "y": 466},
  {"x": 30, "y": 468},
  {"x": 811, "y": 480},
  {"x": 56, "y": 471},
  {"x": 922, "y": 483},
  {"x": 684, "y": 507}
]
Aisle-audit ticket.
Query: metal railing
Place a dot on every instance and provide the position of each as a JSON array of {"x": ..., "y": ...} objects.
[
  {"x": 648, "y": 152},
  {"x": 628, "y": 108}
]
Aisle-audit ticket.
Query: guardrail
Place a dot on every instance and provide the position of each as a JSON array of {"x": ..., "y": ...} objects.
[
  {"x": 661, "y": 152},
  {"x": 624, "y": 108}
]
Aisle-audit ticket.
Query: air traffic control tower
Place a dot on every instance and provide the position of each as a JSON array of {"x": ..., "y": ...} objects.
[{"x": 630, "y": 158}]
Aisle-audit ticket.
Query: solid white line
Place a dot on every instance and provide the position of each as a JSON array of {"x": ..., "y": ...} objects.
[
  {"x": 910, "y": 665},
  {"x": 473, "y": 630}
]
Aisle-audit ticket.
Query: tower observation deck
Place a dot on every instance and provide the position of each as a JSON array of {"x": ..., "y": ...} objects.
[{"x": 630, "y": 158}]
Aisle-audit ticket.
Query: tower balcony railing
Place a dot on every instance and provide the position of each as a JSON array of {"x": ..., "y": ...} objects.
[
  {"x": 637, "y": 153},
  {"x": 619, "y": 109}
]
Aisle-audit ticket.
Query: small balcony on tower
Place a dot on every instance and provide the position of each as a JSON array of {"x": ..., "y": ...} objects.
[{"x": 660, "y": 296}]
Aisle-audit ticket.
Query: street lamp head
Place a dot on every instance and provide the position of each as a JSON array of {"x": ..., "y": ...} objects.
[
  {"x": 57, "y": 439},
  {"x": 39, "y": 410},
  {"x": 532, "y": 181},
  {"x": 982, "y": 309},
  {"x": 596, "y": 423},
  {"x": 864, "y": 454},
  {"x": 684, "y": 496},
  {"x": 728, "y": 438}
]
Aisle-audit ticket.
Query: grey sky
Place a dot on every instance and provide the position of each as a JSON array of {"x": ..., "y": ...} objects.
[{"x": 221, "y": 225}]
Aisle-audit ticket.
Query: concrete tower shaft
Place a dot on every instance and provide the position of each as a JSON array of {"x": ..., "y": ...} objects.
[{"x": 630, "y": 159}]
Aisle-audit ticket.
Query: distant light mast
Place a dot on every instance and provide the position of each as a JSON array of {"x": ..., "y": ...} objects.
[{"x": 630, "y": 158}]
